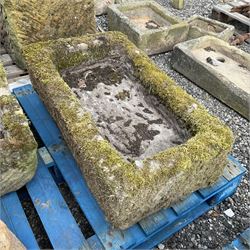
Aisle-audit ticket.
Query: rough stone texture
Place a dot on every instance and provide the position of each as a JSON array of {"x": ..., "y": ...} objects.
[
  {"x": 18, "y": 147},
  {"x": 28, "y": 21},
  {"x": 221, "y": 69},
  {"x": 8, "y": 241},
  {"x": 101, "y": 6},
  {"x": 126, "y": 191},
  {"x": 148, "y": 25},
  {"x": 178, "y": 4},
  {"x": 201, "y": 26}
]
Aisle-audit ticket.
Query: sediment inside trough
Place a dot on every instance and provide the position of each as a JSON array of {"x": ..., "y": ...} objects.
[
  {"x": 207, "y": 26},
  {"x": 145, "y": 18},
  {"x": 136, "y": 123}
]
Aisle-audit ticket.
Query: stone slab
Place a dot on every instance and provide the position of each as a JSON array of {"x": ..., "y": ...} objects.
[
  {"x": 23, "y": 22},
  {"x": 17, "y": 145},
  {"x": 102, "y": 5},
  {"x": 126, "y": 188},
  {"x": 8, "y": 241},
  {"x": 148, "y": 25},
  {"x": 220, "y": 69},
  {"x": 201, "y": 26}
]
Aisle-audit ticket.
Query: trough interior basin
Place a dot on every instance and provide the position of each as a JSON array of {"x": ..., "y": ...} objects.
[{"x": 135, "y": 122}]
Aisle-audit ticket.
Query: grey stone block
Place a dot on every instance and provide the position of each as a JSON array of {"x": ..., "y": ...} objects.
[
  {"x": 201, "y": 26},
  {"x": 220, "y": 69},
  {"x": 148, "y": 25}
]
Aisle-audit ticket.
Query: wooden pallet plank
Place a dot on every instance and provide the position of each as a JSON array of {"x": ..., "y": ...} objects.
[
  {"x": 95, "y": 243},
  {"x": 13, "y": 71},
  {"x": 155, "y": 221},
  {"x": 18, "y": 79},
  {"x": 226, "y": 9},
  {"x": 53, "y": 211},
  {"x": 6, "y": 60},
  {"x": 234, "y": 169},
  {"x": 174, "y": 227},
  {"x": 2, "y": 50},
  {"x": 209, "y": 191},
  {"x": 245, "y": 237},
  {"x": 13, "y": 215},
  {"x": 188, "y": 203}
]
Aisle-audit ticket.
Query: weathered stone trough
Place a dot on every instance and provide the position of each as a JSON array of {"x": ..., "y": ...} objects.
[
  {"x": 24, "y": 22},
  {"x": 221, "y": 69},
  {"x": 148, "y": 25},
  {"x": 201, "y": 26},
  {"x": 18, "y": 147},
  {"x": 141, "y": 142},
  {"x": 102, "y": 5}
]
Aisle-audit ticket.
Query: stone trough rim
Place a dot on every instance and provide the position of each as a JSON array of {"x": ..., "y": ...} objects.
[
  {"x": 211, "y": 138},
  {"x": 153, "y": 5}
]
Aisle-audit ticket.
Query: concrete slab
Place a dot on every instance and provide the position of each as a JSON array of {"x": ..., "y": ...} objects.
[
  {"x": 201, "y": 26},
  {"x": 148, "y": 25},
  {"x": 221, "y": 69},
  {"x": 141, "y": 141}
]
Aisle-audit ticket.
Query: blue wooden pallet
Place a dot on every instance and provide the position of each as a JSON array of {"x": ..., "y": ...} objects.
[
  {"x": 58, "y": 222},
  {"x": 241, "y": 243}
]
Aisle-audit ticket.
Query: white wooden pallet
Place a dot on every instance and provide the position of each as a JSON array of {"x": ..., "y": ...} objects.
[{"x": 223, "y": 13}]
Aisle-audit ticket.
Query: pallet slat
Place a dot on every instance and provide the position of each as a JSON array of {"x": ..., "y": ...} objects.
[
  {"x": 13, "y": 215},
  {"x": 60, "y": 225},
  {"x": 226, "y": 10},
  {"x": 6, "y": 60},
  {"x": 13, "y": 71}
]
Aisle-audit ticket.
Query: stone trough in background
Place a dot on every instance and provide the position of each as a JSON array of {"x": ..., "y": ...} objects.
[
  {"x": 201, "y": 26},
  {"x": 73, "y": 76},
  {"x": 217, "y": 67},
  {"x": 148, "y": 25},
  {"x": 23, "y": 22}
]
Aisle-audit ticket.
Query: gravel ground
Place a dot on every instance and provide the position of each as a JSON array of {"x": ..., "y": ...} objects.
[{"x": 214, "y": 229}]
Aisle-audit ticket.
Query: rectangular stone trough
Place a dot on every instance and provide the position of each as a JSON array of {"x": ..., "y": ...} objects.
[
  {"x": 141, "y": 142},
  {"x": 18, "y": 147},
  {"x": 201, "y": 26},
  {"x": 148, "y": 25},
  {"x": 102, "y": 5},
  {"x": 217, "y": 67},
  {"x": 23, "y": 22}
]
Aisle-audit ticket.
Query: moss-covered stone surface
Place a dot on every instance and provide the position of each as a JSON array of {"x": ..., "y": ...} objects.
[
  {"x": 28, "y": 21},
  {"x": 18, "y": 159},
  {"x": 126, "y": 192}
]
